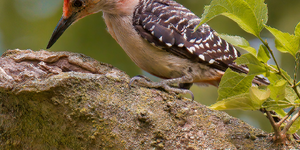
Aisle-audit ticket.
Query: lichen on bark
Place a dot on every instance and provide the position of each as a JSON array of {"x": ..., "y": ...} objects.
[{"x": 63, "y": 100}]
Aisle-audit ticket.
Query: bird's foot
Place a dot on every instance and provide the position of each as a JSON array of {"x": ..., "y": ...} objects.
[{"x": 184, "y": 84}]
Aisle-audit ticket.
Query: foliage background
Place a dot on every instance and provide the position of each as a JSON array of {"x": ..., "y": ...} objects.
[{"x": 28, "y": 24}]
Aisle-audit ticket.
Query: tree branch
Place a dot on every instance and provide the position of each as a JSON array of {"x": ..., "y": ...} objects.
[{"x": 62, "y": 100}]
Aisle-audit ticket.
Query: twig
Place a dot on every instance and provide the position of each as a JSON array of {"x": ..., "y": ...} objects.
[
  {"x": 296, "y": 68},
  {"x": 298, "y": 83},
  {"x": 271, "y": 52},
  {"x": 293, "y": 85},
  {"x": 277, "y": 65},
  {"x": 285, "y": 117},
  {"x": 275, "y": 127},
  {"x": 289, "y": 124},
  {"x": 296, "y": 90},
  {"x": 295, "y": 75}
]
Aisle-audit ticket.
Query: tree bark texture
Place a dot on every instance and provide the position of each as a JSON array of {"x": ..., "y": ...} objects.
[{"x": 63, "y": 100}]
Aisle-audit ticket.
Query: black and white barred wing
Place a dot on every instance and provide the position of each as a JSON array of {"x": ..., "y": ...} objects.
[{"x": 170, "y": 26}]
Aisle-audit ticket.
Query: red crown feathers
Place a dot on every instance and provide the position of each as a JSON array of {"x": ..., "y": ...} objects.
[{"x": 66, "y": 8}]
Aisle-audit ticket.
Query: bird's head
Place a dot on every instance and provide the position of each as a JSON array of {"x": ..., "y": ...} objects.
[{"x": 73, "y": 10}]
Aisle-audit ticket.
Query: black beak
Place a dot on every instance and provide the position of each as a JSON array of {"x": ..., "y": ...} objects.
[{"x": 60, "y": 28}]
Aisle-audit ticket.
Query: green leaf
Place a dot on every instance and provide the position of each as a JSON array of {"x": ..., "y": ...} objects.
[
  {"x": 290, "y": 94},
  {"x": 263, "y": 54},
  {"x": 233, "y": 83},
  {"x": 297, "y": 30},
  {"x": 239, "y": 42},
  {"x": 261, "y": 11},
  {"x": 258, "y": 96},
  {"x": 241, "y": 101},
  {"x": 248, "y": 59},
  {"x": 274, "y": 76},
  {"x": 250, "y": 15},
  {"x": 254, "y": 65},
  {"x": 285, "y": 42},
  {"x": 272, "y": 104},
  {"x": 278, "y": 90},
  {"x": 295, "y": 127},
  {"x": 288, "y": 77},
  {"x": 280, "y": 112}
]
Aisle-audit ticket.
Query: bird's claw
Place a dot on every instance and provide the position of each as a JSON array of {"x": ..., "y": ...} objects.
[
  {"x": 137, "y": 78},
  {"x": 163, "y": 84}
]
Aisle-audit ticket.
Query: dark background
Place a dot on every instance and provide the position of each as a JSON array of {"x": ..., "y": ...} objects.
[{"x": 28, "y": 24}]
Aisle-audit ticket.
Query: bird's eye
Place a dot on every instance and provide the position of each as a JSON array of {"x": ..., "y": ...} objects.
[{"x": 77, "y": 3}]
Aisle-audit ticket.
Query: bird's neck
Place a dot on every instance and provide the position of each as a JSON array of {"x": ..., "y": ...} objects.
[{"x": 123, "y": 8}]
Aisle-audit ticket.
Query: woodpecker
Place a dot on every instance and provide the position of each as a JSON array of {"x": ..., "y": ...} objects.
[{"x": 160, "y": 37}]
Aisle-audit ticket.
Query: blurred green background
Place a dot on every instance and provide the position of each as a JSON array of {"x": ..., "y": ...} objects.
[{"x": 28, "y": 24}]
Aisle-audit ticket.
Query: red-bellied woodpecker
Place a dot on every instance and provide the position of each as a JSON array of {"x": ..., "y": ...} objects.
[{"x": 159, "y": 37}]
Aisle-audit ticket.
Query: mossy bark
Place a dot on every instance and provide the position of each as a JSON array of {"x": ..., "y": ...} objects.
[{"x": 62, "y": 100}]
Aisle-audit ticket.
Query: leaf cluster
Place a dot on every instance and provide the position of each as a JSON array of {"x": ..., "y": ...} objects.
[{"x": 236, "y": 91}]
